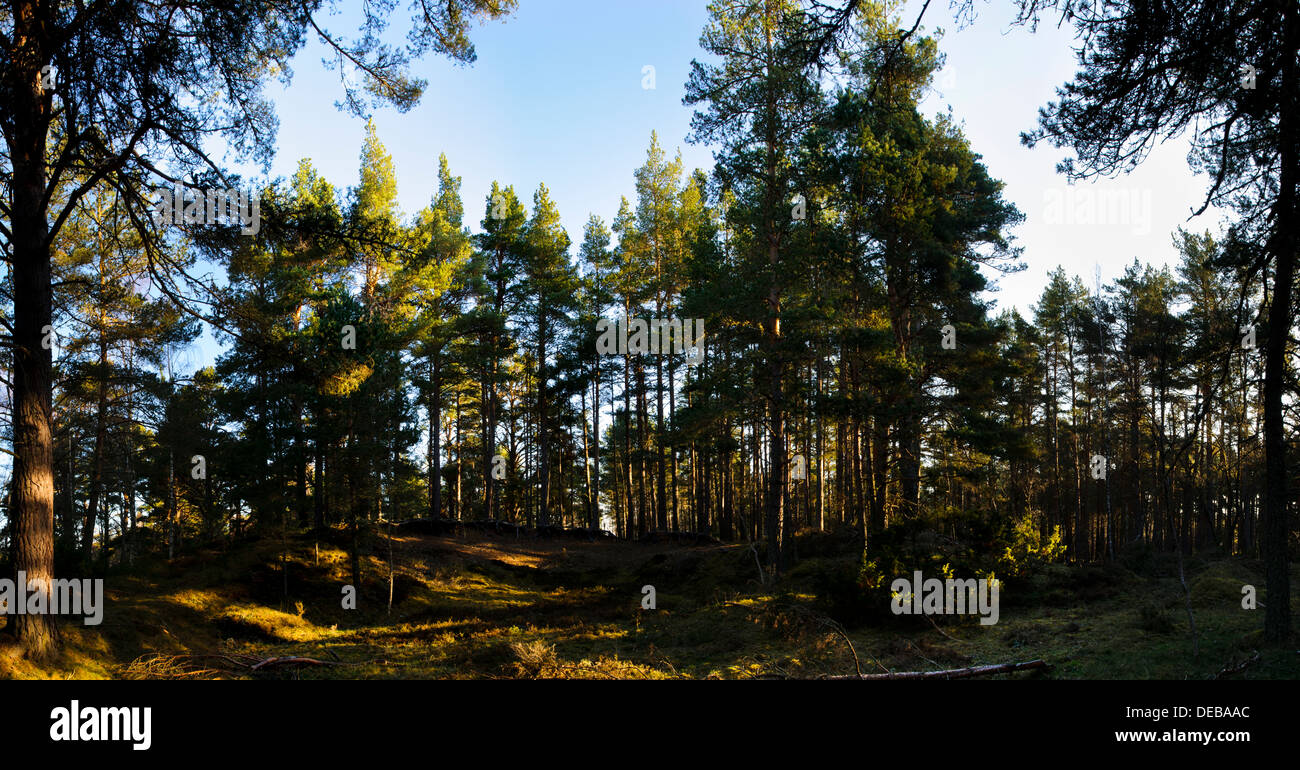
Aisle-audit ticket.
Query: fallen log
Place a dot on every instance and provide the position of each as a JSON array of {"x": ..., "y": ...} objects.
[
  {"x": 295, "y": 661},
  {"x": 1237, "y": 669},
  {"x": 951, "y": 673}
]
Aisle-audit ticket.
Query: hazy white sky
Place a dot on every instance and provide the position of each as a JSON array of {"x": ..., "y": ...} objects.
[{"x": 996, "y": 78}]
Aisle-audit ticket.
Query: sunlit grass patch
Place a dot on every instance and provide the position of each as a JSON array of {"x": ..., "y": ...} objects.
[
  {"x": 264, "y": 622},
  {"x": 468, "y": 609}
]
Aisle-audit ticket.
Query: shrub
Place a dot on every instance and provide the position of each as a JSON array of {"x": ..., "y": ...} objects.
[
  {"x": 1027, "y": 550},
  {"x": 1155, "y": 620}
]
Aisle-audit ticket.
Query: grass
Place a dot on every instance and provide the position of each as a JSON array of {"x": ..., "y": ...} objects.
[{"x": 482, "y": 606}]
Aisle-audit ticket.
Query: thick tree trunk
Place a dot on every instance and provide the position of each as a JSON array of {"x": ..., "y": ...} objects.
[
  {"x": 1277, "y": 609},
  {"x": 774, "y": 508},
  {"x": 33, "y": 479}
]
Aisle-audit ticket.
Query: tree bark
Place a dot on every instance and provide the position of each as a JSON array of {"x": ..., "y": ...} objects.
[
  {"x": 435, "y": 438},
  {"x": 97, "y": 461},
  {"x": 33, "y": 479},
  {"x": 1277, "y": 611}
]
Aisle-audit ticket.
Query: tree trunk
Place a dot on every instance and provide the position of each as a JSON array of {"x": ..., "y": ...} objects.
[
  {"x": 1277, "y": 610},
  {"x": 318, "y": 482},
  {"x": 661, "y": 500},
  {"x": 586, "y": 461},
  {"x": 97, "y": 461},
  {"x": 33, "y": 474},
  {"x": 595, "y": 447},
  {"x": 543, "y": 429},
  {"x": 435, "y": 438},
  {"x": 632, "y": 529}
]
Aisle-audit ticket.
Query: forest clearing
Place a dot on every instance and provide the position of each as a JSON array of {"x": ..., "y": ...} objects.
[{"x": 479, "y": 605}]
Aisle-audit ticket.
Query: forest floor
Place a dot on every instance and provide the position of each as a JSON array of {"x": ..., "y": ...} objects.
[{"x": 500, "y": 606}]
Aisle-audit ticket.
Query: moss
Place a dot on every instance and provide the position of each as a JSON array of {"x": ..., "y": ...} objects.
[
  {"x": 487, "y": 607},
  {"x": 1220, "y": 584}
]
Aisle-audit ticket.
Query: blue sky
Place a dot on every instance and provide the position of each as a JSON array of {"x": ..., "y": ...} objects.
[{"x": 556, "y": 96}]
